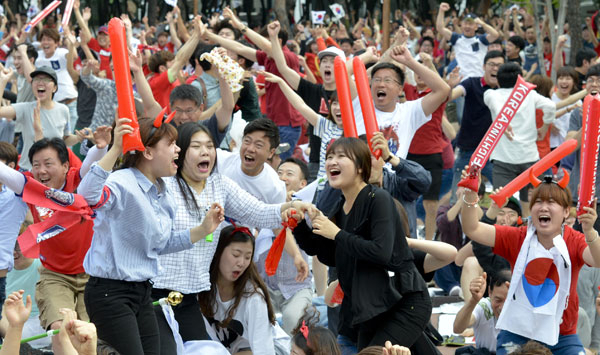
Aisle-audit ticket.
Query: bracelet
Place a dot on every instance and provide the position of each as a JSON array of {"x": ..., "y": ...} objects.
[
  {"x": 243, "y": 30},
  {"x": 470, "y": 204},
  {"x": 593, "y": 240},
  {"x": 387, "y": 160}
]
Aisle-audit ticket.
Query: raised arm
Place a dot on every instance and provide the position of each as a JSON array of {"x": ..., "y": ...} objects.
[
  {"x": 224, "y": 112},
  {"x": 187, "y": 50},
  {"x": 234, "y": 46},
  {"x": 173, "y": 29},
  {"x": 260, "y": 41},
  {"x": 439, "y": 89},
  {"x": 464, "y": 317},
  {"x": 471, "y": 226},
  {"x": 28, "y": 68},
  {"x": 289, "y": 74},
  {"x": 151, "y": 106},
  {"x": 294, "y": 99},
  {"x": 491, "y": 33},
  {"x": 70, "y": 39},
  {"x": 571, "y": 99},
  {"x": 6, "y": 111},
  {"x": 439, "y": 23},
  {"x": 83, "y": 24}
]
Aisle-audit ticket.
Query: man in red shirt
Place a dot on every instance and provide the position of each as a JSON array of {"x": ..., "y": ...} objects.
[
  {"x": 100, "y": 45},
  {"x": 278, "y": 108},
  {"x": 62, "y": 277},
  {"x": 166, "y": 67},
  {"x": 426, "y": 148}
]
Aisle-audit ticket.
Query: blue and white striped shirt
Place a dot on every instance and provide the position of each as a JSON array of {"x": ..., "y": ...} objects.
[{"x": 133, "y": 228}]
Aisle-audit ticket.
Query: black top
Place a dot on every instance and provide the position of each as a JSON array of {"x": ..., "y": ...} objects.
[
  {"x": 86, "y": 104},
  {"x": 315, "y": 96},
  {"x": 371, "y": 243}
]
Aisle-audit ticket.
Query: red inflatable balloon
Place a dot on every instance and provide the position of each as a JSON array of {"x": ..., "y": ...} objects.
[
  {"x": 366, "y": 101},
  {"x": 274, "y": 255},
  {"x": 120, "y": 58},
  {"x": 538, "y": 168},
  {"x": 495, "y": 132},
  {"x": 344, "y": 97},
  {"x": 590, "y": 135}
]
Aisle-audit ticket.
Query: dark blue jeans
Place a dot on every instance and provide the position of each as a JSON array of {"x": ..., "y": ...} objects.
[
  {"x": 459, "y": 164},
  {"x": 448, "y": 277},
  {"x": 289, "y": 134}
]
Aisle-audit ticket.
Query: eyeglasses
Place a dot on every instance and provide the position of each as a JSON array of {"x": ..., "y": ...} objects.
[
  {"x": 386, "y": 81},
  {"x": 189, "y": 111},
  {"x": 494, "y": 65},
  {"x": 593, "y": 80},
  {"x": 42, "y": 79}
]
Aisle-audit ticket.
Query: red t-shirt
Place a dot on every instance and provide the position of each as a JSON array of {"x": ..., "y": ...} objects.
[
  {"x": 543, "y": 146},
  {"x": 448, "y": 155},
  {"x": 65, "y": 252},
  {"x": 279, "y": 110},
  {"x": 312, "y": 62},
  {"x": 508, "y": 244},
  {"x": 161, "y": 87},
  {"x": 262, "y": 100},
  {"x": 429, "y": 138},
  {"x": 104, "y": 54},
  {"x": 167, "y": 47}
]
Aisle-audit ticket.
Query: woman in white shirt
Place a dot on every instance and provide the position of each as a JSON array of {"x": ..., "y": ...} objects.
[{"x": 237, "y": 306}]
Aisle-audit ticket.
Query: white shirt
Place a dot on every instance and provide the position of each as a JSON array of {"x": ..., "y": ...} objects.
[
  {"x": 265, "y": 186},
  {"x": 250, "y": 326},
  {"x": 522, "y": 149},
  {"x": 485, "y": 325},
  {"x": 58, "y": 62},
  {"x": 561, "y": 123},
  {"x": 399, "y": 126},
  {"x": 470, "y": 53}
]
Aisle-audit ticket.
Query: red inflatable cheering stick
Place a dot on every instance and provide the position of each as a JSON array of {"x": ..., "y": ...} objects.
[
  {"x": 590, "y": 136},
  {"x": 343, "y": 91},
  {"x": 366, "y": 101},
  {"x": 126, "y": 109},
  {"x": 495, "y": 132},
  {"x": 537, "y": 169},
  {"x": 276, "y": 250}
]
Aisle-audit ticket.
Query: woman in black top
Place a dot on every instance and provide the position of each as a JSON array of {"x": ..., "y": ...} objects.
[{"x": 385, "y": 298}]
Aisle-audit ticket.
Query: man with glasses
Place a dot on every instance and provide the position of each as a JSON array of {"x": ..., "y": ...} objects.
[
  {"x": 399, "y": 122},
  {"x": 186, "y": 101},
  {"x": 476, "y": 116}
]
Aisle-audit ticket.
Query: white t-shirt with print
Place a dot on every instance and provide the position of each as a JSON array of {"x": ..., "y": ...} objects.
[
  {"x": 58, "y": 62},
  {"x": 250, "y": 328},
  {"x": 485, "y": 325},
  {"x": 55, "y": 124},
  {"x": 398, "y": 126}
]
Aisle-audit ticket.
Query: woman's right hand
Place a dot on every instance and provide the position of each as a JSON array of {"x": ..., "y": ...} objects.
[
  {"x": 292, "y": 213},
  {"x": 122, "y": 128},
  {"x": 214, "y": 217}
]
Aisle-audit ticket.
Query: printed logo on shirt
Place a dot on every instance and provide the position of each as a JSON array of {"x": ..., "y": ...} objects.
[
  {"x": 55, "y": 64},
  {"x": 44, "y": 213},
  {"x": 59, "y": 197},
  {"x": 323, "y": 110},
  {"x": 227, "y": 336},
  {"x": 49, "y": 233},
  {"x": 393, "y": 141}
]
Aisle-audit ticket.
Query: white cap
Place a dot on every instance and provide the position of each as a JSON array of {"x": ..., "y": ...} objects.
[{"x": 334, "y": 51}]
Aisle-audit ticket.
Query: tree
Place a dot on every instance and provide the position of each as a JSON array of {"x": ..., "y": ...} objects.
[{"x": 574, "y": 21}]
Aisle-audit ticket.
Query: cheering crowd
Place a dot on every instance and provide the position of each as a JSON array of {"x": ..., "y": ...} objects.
[{"x": 244, "y": 205}]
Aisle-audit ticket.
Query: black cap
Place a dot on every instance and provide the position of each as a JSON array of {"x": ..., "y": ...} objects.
[
  {"x": 45, "y": 70},
  {"x": 514, "y": 205}
]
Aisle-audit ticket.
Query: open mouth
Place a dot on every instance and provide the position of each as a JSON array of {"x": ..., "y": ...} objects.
[
  {"x": 544, "y": 220},
  {"x": 381, "y": 94},
  {"x": 41, "y": 90},
  {"x": 334, "y": 172},
  {"x": 236, "y": 274},
  {"x": 249, "y": 159},
  {"x": 45, "y": 181},
  {"x": 327, "y": 73},
  {"x": 203, "y": 166}
]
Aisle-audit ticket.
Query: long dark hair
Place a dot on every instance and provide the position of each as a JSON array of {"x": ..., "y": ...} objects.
[
  {"x": 207, "y": 299},
  {"x": 185, "y": 132},
  {"x": 146, "y": 125}
]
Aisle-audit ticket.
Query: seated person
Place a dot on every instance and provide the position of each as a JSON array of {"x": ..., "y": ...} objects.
[{"x": 482, "y": 313}]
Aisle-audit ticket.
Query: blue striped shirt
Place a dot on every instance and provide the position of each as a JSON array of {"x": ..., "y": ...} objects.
[{"x": 133, "y": 228}]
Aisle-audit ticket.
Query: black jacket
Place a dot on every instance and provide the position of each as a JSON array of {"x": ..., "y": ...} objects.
[{"x": 371, "y": 243}]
